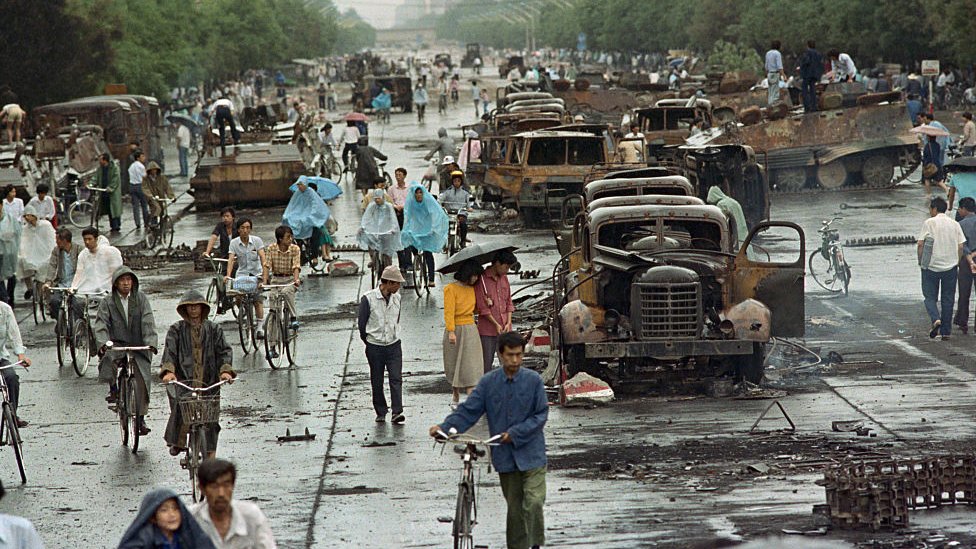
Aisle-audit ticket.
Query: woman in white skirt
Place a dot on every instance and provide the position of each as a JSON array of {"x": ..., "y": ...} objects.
[{"x": 463, "y": 359}]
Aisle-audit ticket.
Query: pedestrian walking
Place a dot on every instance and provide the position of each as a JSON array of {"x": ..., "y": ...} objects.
[
  {"x": 323, "y": 92},
  {"x": 514, "y": 399},
  {"x": 485, "y": 100},
  {"x": 811, "y": 70},
  {"x": 230, "y": 523},
  {"x": 137, "y": 172},
  {"x": 968, "y": 141},
  {"x": 774, "y": 71},
  {"x": 945, "y": 141},
  {"x": 164, "y": 522},
  {"x": 379, "y": 329},
  {"x": 475, "y": 96},
  {"x": 967, "y": 266},
  {"x": 932, "y": 165},
  {"x": 332, "y": 97},
  {"x": 367, "y": 170},
  {"x": 493, "y": 299},
  {"x": 463, "y": 357},
  {"x": 18, "y": 532},
  {"x": 940, "y": 249},
  {"x": 183, "y": 141},
  {"x": 961, "y": 185}
]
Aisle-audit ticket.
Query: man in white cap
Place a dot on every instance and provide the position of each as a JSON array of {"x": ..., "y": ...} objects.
[{"x": 379, "y": 328}]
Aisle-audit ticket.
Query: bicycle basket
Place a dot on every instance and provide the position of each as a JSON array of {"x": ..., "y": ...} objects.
[
  {"x": 200, "y": 411},
  {"x": 246, "y": 284}
]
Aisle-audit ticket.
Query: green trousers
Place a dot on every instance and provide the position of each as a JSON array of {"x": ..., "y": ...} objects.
[{"x": 525, "y": 493}]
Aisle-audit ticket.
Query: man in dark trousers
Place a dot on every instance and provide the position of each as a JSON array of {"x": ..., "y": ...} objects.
[
  {"x": 379, "y": 328},
  {"x": 811, "y": 70},
  {"x": 514, "y": 398}
]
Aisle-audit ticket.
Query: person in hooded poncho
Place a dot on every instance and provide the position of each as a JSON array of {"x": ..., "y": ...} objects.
[
  {"x": 164, "y": 522},
  {"x": 10, "y": 231},
  {"x": 36, "y": 243},
  {"x": 731, "y": 208},
  {"x": 425, "y": 227},
  {"x": 379, "y": 230},
  {"x": 198, "y": 355},
  {"x": 308, "y": 214}
]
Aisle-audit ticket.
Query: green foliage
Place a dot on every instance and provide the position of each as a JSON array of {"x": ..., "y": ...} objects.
[
  {"x": 354, "y": 34},
  {"x": 734, "y": 57}
]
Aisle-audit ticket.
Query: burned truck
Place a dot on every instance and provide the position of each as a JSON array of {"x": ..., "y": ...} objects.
[{"x": 656, "y": 291}]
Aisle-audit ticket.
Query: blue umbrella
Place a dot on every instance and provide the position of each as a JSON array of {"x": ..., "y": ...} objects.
[{"x": 326, "y": 188}]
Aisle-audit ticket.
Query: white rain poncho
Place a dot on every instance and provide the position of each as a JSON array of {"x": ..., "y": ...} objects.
[
  {"x": 379, "y": 229},
  {"x": 10, "y": 230},
  {"x": 36, "y": 243}
]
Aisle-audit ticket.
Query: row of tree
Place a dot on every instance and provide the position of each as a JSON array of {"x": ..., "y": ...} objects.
[
  {"x": 896, "y": 31},
  {"x": 59, "y": 49}
]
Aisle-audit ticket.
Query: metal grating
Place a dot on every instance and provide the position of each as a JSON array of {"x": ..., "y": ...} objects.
[{"x": 669, "y": 310}]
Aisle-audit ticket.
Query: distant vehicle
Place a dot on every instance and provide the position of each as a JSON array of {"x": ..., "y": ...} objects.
[
  {"x": 400, "y": 87},
  {"x": 515, "y": 62},
  {"x": 471, "y": 52},
  {"x": 443, "y": 59}
]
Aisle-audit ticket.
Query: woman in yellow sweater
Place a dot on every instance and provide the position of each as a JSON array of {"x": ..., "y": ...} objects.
[{"x": 463, "y": 359}]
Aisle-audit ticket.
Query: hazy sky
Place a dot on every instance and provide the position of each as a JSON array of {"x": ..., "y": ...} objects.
[{"x": 378, "y": 13}]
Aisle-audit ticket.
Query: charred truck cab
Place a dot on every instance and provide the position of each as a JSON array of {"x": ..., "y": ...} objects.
[{"x": 654, "y": 290}]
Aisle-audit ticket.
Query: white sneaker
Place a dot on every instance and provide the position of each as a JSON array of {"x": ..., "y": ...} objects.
[{"x": 259, "y": 332}]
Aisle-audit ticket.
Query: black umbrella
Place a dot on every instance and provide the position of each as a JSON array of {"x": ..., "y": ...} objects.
[
  {"x": 479, "y": 253},
  {"x": 178, "y": 118},
  {"x": 961, "y": 164}
]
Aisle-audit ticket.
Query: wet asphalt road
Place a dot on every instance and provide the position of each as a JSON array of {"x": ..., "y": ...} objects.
[{"x": 362, "y": 485}]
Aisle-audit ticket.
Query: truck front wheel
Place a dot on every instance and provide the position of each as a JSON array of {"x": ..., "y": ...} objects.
[{"x": 751, "y": 367}]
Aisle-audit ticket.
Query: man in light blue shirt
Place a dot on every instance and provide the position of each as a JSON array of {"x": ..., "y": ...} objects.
[
  {"x": 514, "y": 399},
  {"x": 16, "y": 532},
  {"x": 774, "y": 70},
  {"x": 967, "y": 222}
]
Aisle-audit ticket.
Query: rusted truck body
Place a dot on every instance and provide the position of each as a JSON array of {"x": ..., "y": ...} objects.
[
  {"x": 601, "y": 105},
  {"x": 868, "y": 146},
  {"x": 248, "y": 175},
  {"x": 656, "y": 290},
  {"x": 670, "y": 121}
]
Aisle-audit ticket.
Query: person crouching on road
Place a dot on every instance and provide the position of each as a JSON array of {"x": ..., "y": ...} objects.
[
  {"x": 125, "y": 318},
  {"x": 196, "y": 354},
  {"x": 514, "y": 399},
  {"x": 493, "y": 297},
  {"x": 379, "y": 329},
  {"x": 940, "y": 248},
  {"x": 463, "y": 358}
]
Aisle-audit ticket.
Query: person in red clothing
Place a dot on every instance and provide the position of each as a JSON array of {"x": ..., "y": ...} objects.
[{"x": 493, "y": 303}]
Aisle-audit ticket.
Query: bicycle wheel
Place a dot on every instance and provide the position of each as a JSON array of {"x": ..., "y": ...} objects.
[
  {"x": 62, "y": 332},
  {"x": 418, "y": 268},
  {"x": 152, "y": 236},
  {"x": 80, "y": 213},
  {"x": 273, "y": 340},
  {"x": 13, "y": 439},
  {"x": 212, "y": 298},
  {"x": 245, "y": 326},
  {"x": 291, "y": 338},
  {"x": 131, "y": 394},
  {"x": 122, "y": 409},
  {"x": 198, "y": 449},
  {"x": 81, "y": 354},
  {"x": 463, "y": 535},
  {"x": 823, "y": 273}
]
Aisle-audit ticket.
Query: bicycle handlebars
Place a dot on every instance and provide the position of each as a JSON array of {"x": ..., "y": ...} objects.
[
  {"x": 110, "y": 346},
  {"x": 198, "y": 389},
  {"x": 463, "y": 438},
  {"x": 14, "y": 365}
]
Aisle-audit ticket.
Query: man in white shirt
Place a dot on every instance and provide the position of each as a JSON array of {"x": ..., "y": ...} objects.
[
  {"x": 96, "y": 264},
  {"x": 379, "y": 329},
  {"x": 183, "y": 140},
  {"x": 230, "y": 523},
  {"x": 43, "y": 204},
  {"x": 635, "y": 132},
  {"x": 17, "y": 532},
  {"x": 842, "y": 67},
  {"x": 11, "y": 344},
  {"x": 968, "y": 141},
  {"x": 223, "y": 115},
  {"x": 137, "y": 172},
  {"x": 940, "y": 245}
]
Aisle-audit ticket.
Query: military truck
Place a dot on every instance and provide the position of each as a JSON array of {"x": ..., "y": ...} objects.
[{"x": 655, "y": 291}]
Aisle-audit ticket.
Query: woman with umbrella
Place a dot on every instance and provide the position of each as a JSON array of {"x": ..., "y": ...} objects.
[
  {"x": 425, "y": 227},
  {"x": 463, "y": 357},
  {"x": 931, "y": 156}
]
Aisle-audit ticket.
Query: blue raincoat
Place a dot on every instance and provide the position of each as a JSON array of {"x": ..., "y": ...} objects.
[
  {"x": 305, "y": 211},
  {"x": 425, "y": 223},
  {"x": 382, "y": 101},
  {"x": 379, "y": 229},
  {"x": 142, "y": 534}
]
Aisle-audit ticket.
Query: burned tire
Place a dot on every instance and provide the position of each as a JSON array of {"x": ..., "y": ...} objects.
[
  {"x": 791, "y": 179},
  {"x": 878, "y": 171},
  {"x": 832, "y": 175},
  {"x": 751, "y": 367}
]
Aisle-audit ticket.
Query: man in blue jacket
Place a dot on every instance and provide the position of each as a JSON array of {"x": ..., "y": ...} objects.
[
  {"x": 811, "y": 70},
  {"x": 515, "y": 401}
]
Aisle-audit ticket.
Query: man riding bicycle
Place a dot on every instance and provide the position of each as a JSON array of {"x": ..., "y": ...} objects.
[
  {"x": 283, "y": 263},
  {"x": 96, "y": 264},
  {"x": 246, "y": 252},
  {"x": 155, "y": 185},
  {"x": 11, "y": 343},
  {"x": 61, "y": 266},
  {"x": 196, "y": 354},
  {"x": 126, "y": 319},
  {"x": 455, "y": 200}
]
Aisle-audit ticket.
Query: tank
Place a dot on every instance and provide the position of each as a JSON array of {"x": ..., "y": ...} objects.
[{"x": 249, "y": 175}]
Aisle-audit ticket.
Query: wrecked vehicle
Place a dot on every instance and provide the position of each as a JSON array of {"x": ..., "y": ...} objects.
[
  {"x": 471, "y": 52},
  {"x": 670, "y": 121},
  {"x": 248, "y": 175},
  {"x": 657, "y": 292},
  {"x": 400, "y": 88},
  {"x": 512, "y": 63}
]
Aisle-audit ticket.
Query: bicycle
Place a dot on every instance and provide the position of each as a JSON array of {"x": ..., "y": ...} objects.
[
  {"x": 9, "y": 432},
  {"x": 246, "y": 297},
  {"x": 330, "y": 166},
  {"x": 466, "y": 507},
  {"x": 421, "y": 278},
  {"x": 376, "y": 265},
  {"x": 217, "y": 291},
  {"x": 64, "y": 327},
  {"x": 280, "y": 337},
  {"x": 827, "y": 264},
  {"x": 198, "y": 411},
  {"x": 383, "y": 115},
  {"x": 454, "y": 243},
  {"x": 163, "y": 230},
  {"x": 312, "y": 256},
  {"x": 38, "y": 301},
  {"x": 349, "y": 170},
  {"x": 84, "y": 212},
  {"x": 442, "y": 104},
  {"x": 126, "y": 371}
]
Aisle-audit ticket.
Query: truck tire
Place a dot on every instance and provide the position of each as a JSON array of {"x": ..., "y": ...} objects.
[{"x": 751, "y": 367}]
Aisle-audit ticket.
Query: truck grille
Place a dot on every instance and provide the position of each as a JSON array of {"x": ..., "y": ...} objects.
[{"x": 669, "y": 310}]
